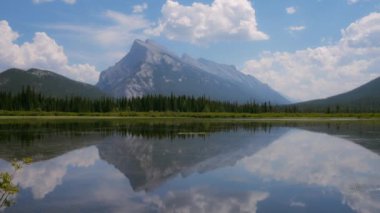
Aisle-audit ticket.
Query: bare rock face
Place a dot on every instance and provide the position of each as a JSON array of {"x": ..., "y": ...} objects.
[{"x": 151, "y": 69}]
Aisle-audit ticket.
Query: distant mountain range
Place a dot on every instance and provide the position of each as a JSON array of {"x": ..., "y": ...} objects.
[
  {"x": 363, "y": 98},
  {"x": 151, "y": 69},
  {"x": 47, "y": 83}
]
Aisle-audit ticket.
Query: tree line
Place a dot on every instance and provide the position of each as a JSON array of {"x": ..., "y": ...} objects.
[{"x": 30, "y": 100}]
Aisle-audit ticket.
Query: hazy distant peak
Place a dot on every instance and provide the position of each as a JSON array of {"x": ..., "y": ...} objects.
[
  {"x": 149, "y": 45},
  {"x": 185, "y": 56},
  {"x": 206, "y": 61},
  {"x": 188, "y": 59},
  {"x": 152, "y": 43}
]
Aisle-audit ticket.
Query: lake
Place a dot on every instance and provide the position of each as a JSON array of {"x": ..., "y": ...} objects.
[{"x": 193, "y": 166}]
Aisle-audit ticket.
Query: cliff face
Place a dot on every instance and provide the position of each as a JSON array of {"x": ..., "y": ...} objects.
[{"x": 151, "y": 69}]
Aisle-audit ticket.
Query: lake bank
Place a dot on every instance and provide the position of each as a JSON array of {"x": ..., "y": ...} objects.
[{"x": 195, "y": 115}]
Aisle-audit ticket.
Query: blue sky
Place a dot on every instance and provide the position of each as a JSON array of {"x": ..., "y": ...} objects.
[{"x": 304, "y": 49}]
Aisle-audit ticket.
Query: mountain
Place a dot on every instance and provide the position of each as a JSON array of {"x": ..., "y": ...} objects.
[
  {"x": 46, "y": 82},
  {"x": 364, "y": 98},
  {"x": 151, "y": 69}
]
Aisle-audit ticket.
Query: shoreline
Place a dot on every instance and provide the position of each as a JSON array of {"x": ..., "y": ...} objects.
[{"x": 17, "y": 115}]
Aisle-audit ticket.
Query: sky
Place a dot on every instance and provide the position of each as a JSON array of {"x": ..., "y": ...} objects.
[{"x": 303, "y": 49}]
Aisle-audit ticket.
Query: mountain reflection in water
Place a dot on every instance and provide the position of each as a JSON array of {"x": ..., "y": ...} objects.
[{"x": 232, "y": 167}]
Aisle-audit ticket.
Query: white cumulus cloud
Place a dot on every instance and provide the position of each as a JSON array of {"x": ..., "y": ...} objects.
[
  {"x": 42, "y": 53},
  {"x": 296, "y": 28},
  {"x": 198, "y": 23},
  {"x": 326, "y": 70},
  {"x": 140, "y": 8},
  {"x": 291, "y": 10}
]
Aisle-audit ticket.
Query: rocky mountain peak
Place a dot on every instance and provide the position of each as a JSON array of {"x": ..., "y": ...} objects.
[
  {"x": 150, "y": 68},
  {"x": 148, "y": 50}
]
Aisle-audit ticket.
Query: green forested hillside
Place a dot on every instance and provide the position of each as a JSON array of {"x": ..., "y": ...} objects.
[
  {"x": 37, "y": 90},
  {"x": 47, "y": 83},
  {"x": 365, "y": 98}
]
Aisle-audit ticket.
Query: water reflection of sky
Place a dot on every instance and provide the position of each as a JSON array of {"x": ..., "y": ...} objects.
[
  {"x": 315, "y": 159},
  {"x": 299, "y": 171}
]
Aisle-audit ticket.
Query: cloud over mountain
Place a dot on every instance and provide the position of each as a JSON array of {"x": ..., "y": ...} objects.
[
  {"x": 221, "y": 20},
  {"x": 326, "y": 70},
  {"x": 42, "y": 52}
]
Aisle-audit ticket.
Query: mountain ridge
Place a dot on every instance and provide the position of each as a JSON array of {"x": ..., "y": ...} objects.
[
  {"x": 152, "y": 69},
  {"x": 46, "y": 82},
  {"x": 363, "y": 98}
]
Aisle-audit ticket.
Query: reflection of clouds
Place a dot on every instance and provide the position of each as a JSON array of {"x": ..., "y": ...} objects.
[
  {"x": 312, "y": 158},
  {"x": 201, "y": 200},
  {"x": 116, "y": 195},
  {"x": 208, "y": 200},
  {"x": 297, "y": 204},
  {"x": 5, "y": 166},
  {"x": 110, "y": 192},
  {"x": 42, "y": 177}
]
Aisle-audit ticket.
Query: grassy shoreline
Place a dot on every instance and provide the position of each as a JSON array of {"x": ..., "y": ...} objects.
[{"x": 115, "y": 115}]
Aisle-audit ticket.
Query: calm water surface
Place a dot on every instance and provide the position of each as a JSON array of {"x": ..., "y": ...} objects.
[{"x": 172, "y": 166}]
